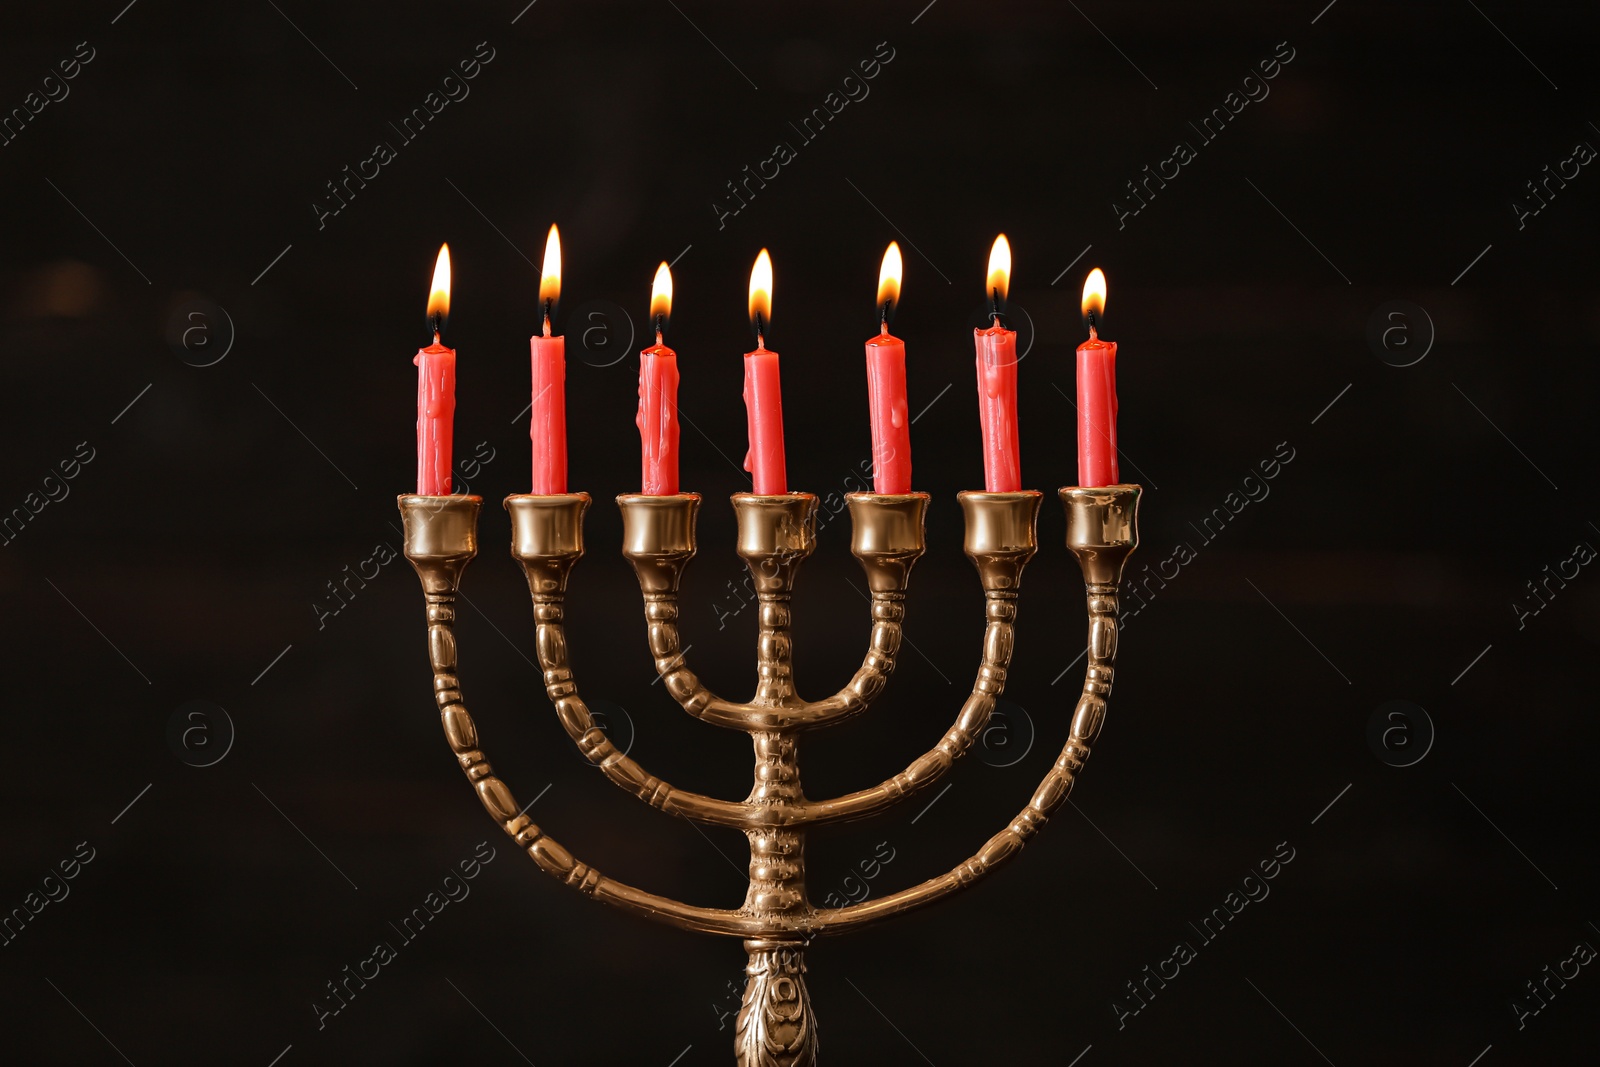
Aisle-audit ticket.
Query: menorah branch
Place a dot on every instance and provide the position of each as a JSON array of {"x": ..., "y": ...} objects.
[
  {"x": 1102, "y": 529},
  {"x": 440, "y": 540},
  {"x": 776, "y": 536},
  {"x": 547, "y": 540},
  {"x": 1000, "y": 542}
]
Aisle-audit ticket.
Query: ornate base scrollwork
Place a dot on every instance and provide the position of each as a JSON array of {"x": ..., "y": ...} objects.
[{"x": 776, "y": 1027}]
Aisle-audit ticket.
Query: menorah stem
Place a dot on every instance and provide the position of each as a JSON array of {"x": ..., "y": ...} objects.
[
  {"x": 774, "y": 652},
  {"x": 777, "y": 853},
  {"x": 775, "y": 1027},
  {"x": 776, "y": 534}
]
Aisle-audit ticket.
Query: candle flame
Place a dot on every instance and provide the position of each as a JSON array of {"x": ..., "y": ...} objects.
[
  {"x": 439, "y": 297},
  {"x": 889, "y": 281},
  {"x": 661, "y": 296},
  {"x": 1094, "y": 294},
  {"x": 1000, "y": 267},
  {"x": 761, "y": 293},
  {"x": 550, "y": 276}
]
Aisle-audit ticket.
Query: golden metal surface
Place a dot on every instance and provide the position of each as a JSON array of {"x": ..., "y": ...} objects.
[
  {"x": 547, "y": 538},
  {"x": 658, "y": 537},
  {"x": 776, "y": 1026},
  {"x": 1102, "y": 528},
  {"x": 441, "y": 537},
  {"x": 1000, "y": 534},
  {"x": 776, "y": 534},
  {"x": 887, "y": 536}
]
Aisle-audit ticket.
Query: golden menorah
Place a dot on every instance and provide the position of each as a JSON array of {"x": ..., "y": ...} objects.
[{"x": 775, "y": 1025}]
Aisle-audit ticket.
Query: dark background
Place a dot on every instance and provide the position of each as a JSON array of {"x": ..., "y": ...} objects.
[{"x": 178, "y": 177}]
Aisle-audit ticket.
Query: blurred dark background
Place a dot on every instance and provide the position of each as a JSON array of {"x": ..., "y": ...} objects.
[{"x": 168, "y": 605}]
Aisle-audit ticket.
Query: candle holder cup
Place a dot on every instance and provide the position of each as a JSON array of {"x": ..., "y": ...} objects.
[{"x": 776, "y": 1026}]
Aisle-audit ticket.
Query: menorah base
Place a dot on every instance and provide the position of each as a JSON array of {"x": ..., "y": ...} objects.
[{"x": 776, "y": 1026}]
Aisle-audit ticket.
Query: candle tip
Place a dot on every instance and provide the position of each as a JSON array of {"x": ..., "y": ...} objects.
[
  {"x": 1094, "y": 297},
  {"x": 661, "y": 296},
  {"x": 439, "y": 297},
  {"x": 994, "y": 308},
  {"x": 889, "y": 281},
  {"x": 550, "y": 272},
  {"x": 761, "y": 292},
  {"x": 1000, "y": 269}
]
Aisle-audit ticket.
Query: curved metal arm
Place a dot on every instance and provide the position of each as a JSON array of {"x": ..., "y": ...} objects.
[
  {"x": 775, "y": 535},
  {"x": 547, "y": 539},
  {"x": 1101, "y": 532},
  {"x": 887, "y": 538},
  {"x": 883, "y": 646},
  {"x": 1000, "y": 542},
  {"x": 658, "y": 539},
  {"x": 1000, "y": 609},
  {"x": 441, "y": 538},
  {"x": 666, "y": 649}
]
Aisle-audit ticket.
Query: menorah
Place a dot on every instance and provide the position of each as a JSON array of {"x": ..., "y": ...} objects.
[{"x": 775, "y": 1026}]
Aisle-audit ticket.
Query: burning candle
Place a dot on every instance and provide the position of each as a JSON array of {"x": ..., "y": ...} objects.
[
  {"x": 436, "y": 390},
  {"x": 997, "y": 382},
  {"x": 886, "y": 387},
  {"x": 548, "y": 425},
  {"x": 763, "y": 396},
  {"x": 1097, "y": 393},
  {"x": 658, "y": 398}
]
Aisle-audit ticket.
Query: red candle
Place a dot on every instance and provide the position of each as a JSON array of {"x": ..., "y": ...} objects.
[
  {"x": 997, "y": 383},
  {"x": 658, "y": 398},
  {"x": 886, "y": 388},
  {"x": 763, "y": 396},
  {"x": 1097, "y": 393},
  {"x": 436, "y": 391},
  {"x": 548, "y": 425}
]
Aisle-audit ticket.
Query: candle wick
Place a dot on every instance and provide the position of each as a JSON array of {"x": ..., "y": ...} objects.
[
  {"x": 883, "y": 315},
  {"x": 547, "y": 304},
  {"x": 661, "y": 322},
  {"x": 435, "y": 320},
  {"x": 1093, "y": 335},
  {"x": 994, "y": 306}
]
